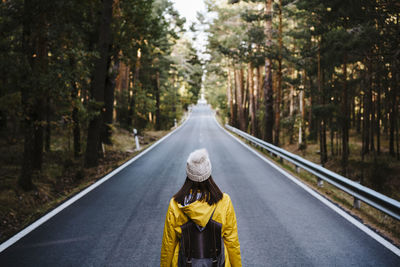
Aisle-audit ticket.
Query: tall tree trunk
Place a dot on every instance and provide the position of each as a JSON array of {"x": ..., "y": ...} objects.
[
  {"x": 392, "y": 116},
  {"x": 303, "y": 110},
  {"x": 122, "y": 90},
  {"x": 76, "y": 131},
  {"x": 98, "y": 85},
  {"x": 268, "y": 90},
  {"x": 235, "y": 99},
  {"x": 230, "y": 97},
  {"x": 25, "y": 178},
  {"x": 246, "y": 99},
  {"x": 371, "y": 107},
  {"x": 157, "y": 92},
  {"x": 39, "y": 69},
  {"x": 322, "y": 124},
  {"x": 332, "y": 135},
  {"x": 257, "y": 90},
  {"x": 252, "y": 106},
  {"x": 279, "y": 88},
  {"x": 257, "y": 98},
  {"x": 345, "y": 122},
  {"x": 244, "y": 90},
  {"x": 396, "y": 108},
  {"x": 302, "y": 118},
  {"x": 109, "y": 101},
  {"x": 313, "y": 126},
  {"x": 135, "y": 86},
  {"x": 366, "y": 123},
  {"x": 47, "y": 139},
  {"x": 378, "y": 120},
  {"x": 358, "y": 114},
  {"x": 240, "y": 100},
  {"x": 37, "y": 159}
]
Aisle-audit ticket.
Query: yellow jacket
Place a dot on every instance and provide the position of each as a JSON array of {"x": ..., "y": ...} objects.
[{"x": 200, "y": 212}]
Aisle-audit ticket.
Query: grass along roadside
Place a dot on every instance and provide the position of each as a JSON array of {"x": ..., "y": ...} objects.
[
  {"x": 378, "y": 221},
  {"x": 61, "y": 178}
]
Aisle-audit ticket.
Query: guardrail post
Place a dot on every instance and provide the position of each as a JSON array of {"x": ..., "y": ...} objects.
[
  {"x": 297, "y": 169},
  {"x": 357, "y": 202},
  {"x": 320, "y": 182},
  {"x": 135, "y": 134},
  {"x": 281, "y": 160}
]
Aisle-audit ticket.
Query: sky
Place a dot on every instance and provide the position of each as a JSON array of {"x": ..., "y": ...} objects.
[{"x": 189, "y": 9}]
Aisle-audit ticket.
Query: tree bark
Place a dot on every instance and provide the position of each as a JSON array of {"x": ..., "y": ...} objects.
[
  {"x": 392, "y": 117},
  {"x": 345, "y": 122},
  {"x": 157, "y": 93},
  {"x": 240, "y": 99},
  {"x": 47, "y": 138},
  {"x": 252, "y": 106},
  {"x": 122, "y": 91},
  {"x": 322, "y": 124},
  {"x": 132, "y": 93},
  {"x": 98, "y": 86},
  {"x": 378, "y": 120},
  {"x": 279, "y": 74},
  {"x": 257, "y": 90},
  {"x": 268, "y": 90},
  {"x": 235, "y": 99},
  {"x": 25, "y": 178},
  {"x": 39, "y": 68},
  {"x": 38, "y": 133},
  {"x": 76, "y": 131},
  {"x": 371, "y": 108},
  {"x": 230, "y": 97},
  {"x": 109, "y": 101}
]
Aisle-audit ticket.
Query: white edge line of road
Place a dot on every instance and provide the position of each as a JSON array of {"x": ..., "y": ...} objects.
[
  {"x": 338, "y": 210},
  {"x": 67, "y": 203}
]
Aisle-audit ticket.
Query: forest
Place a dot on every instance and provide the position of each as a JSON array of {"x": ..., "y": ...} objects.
[
  {"x": 319, "y": 78},
  {"x": 72, "y": 75},
  {"x": 73, "y": 69}
]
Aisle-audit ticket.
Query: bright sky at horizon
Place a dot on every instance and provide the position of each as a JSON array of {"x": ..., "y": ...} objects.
[{"x": 189, "y": 9}]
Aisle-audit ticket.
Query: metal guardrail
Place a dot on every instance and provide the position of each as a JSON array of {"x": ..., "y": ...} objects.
[{"x": 359, "y": 192}]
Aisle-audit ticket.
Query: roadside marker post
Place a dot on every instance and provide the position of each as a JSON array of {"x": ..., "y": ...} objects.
[{"x": 136, "y": 139}]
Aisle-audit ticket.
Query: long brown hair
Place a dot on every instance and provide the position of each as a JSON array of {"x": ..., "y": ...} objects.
[{"x": 207, "y": 189}]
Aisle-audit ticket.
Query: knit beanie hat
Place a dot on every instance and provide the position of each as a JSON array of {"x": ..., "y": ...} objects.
[{"x": 198, "y": 166}]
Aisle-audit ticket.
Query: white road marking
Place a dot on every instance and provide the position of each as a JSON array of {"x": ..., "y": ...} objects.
[
  {"x": 338, "y": 210},
  {"x": 67, "y": 203}
]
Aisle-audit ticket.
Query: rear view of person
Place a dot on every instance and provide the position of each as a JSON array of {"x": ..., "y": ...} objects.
[{"x": 200, "y": 226}]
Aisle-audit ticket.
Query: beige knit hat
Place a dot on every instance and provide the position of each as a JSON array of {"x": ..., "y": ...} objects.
[{"x": 198, "y": 166}]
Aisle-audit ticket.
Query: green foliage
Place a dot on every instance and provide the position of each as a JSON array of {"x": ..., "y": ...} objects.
[{"x": 47, "y": 67}]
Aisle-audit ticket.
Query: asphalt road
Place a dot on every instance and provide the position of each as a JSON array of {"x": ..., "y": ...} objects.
[{"x": 120, "y": 223}]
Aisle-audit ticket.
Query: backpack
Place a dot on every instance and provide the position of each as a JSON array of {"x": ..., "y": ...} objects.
[{"x": 201, "y": 246}]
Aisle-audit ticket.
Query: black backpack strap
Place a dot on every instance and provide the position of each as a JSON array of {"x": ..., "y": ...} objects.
[
  {"x": 215, "y": 258},
  {"x": 189, "y": 258}
]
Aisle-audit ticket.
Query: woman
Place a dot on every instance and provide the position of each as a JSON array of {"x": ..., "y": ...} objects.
[{"x": 200, "y": 202}]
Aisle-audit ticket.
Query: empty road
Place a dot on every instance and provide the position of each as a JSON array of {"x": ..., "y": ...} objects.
[{"x": 120, "y": 223}]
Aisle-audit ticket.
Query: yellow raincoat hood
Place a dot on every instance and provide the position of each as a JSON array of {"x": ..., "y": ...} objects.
[{"x": 200, "y": 212}]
